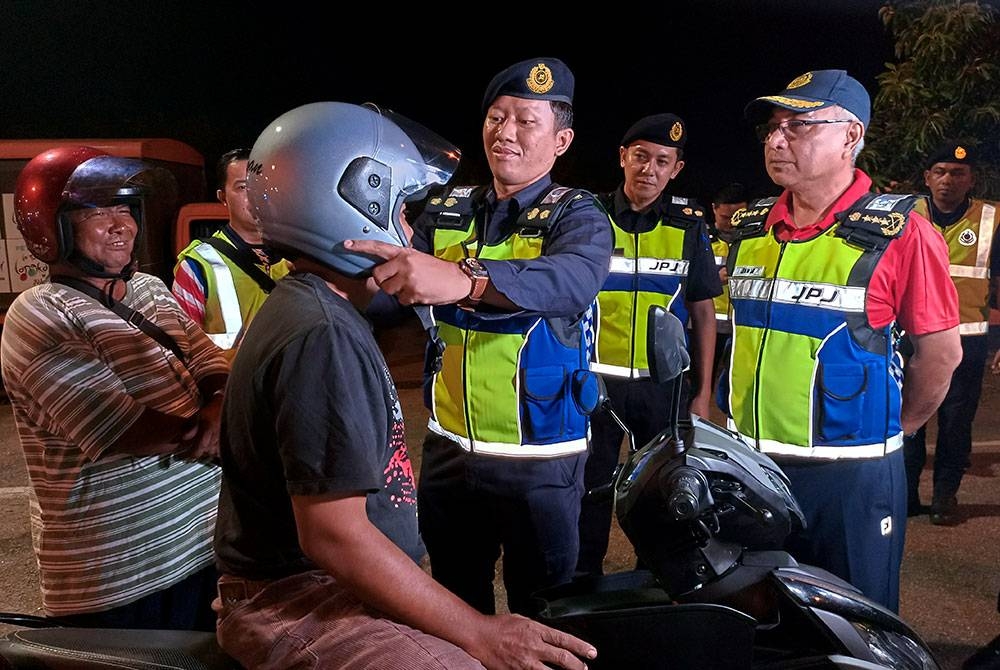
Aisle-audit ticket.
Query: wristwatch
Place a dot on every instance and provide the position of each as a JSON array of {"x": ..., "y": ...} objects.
[{"x": 479, "y": 276}]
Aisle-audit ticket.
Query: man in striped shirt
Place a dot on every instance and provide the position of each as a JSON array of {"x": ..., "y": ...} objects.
[{"x": 118, "y": 421}]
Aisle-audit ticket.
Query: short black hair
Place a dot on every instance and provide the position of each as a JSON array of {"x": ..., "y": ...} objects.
[
  {"x": 731, "y": 194},
  {"x": 231, "y": 156},
  {"x": 563, "y": 112}
]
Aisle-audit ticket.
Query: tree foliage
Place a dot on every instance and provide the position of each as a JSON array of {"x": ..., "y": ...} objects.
[{"x": 944, "y": 85}]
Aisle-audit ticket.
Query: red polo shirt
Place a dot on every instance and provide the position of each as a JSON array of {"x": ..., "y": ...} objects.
[{"x": 911, "y": 284}]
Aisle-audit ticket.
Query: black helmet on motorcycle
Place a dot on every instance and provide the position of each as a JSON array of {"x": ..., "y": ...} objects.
[
  {"x": 327, "y": 172},
  {"x": 692, "y": 512},
  {"x": 77, "y": 177}
]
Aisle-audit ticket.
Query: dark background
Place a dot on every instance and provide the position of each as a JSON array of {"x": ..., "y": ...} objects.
[{"x": 214, "y": 75}]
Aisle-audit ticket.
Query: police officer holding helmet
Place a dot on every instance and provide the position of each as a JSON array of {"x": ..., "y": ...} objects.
[{"x": 512, "y": 269}]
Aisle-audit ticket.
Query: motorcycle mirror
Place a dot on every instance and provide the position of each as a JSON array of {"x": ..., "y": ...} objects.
[
  {"x": 588, "y": 391},
  {"x": 666, "y": 345}
]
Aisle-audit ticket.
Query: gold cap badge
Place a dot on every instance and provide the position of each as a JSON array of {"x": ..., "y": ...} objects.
[
  {"x": 960, "y": 153},
  {"x": 540, "y": 79},
  {"x": 676, "y": 131}
]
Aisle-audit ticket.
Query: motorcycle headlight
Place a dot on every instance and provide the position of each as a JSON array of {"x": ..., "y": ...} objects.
[{"x": 894, "y": 649}]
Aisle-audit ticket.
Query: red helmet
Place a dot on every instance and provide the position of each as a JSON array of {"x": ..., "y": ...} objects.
[
  {"x": 69, "y": 177},
  {"x": 39, "y": 195}
]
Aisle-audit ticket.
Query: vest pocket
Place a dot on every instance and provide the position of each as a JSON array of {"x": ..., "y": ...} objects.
[
  {"x": 543, "y": 403},
  {"x": 840, "y": 401}
]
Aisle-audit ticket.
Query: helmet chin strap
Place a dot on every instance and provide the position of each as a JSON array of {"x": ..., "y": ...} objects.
[{"x": 91, "y": 268}]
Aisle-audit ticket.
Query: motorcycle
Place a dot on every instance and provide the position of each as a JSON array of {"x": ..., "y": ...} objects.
[{"x": 707, "y": 516}]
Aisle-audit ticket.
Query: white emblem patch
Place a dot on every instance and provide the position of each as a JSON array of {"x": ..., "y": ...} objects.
[
  {"x": 887, "y": 526},
  {"x": 967, "y": 238}
]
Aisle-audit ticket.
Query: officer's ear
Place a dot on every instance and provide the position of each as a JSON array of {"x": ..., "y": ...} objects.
[{"x": 564, "y": 138}]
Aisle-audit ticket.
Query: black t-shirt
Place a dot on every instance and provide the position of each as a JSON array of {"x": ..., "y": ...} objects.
[{"x": 310, "y": 409}]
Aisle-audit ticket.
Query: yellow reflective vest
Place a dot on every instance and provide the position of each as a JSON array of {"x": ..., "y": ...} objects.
[
  {"x": 503, "y": 385},
  {"x": 969, "y": 242},
  {"x": 809, "y": 377},
  {"x": 232, "y": 296},
  {"x": 647, "y": 268}
]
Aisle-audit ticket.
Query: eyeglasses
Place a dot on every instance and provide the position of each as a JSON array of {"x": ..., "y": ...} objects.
[{"x": 792, "y": 129}]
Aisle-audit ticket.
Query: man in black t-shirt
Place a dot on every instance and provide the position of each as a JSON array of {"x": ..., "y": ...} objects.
[{"x": 317, "y": 539}]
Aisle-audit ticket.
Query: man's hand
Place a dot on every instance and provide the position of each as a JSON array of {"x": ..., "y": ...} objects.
[
  {"x": 415, "y": 278},
  {"x": 518, "y": 642},
  {"x": 201, "y": 442}
]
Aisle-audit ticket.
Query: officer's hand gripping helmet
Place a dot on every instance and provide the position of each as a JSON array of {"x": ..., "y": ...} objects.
[
  {"x": 73, "y": 177},
  {"x": 327, "y": 172}
]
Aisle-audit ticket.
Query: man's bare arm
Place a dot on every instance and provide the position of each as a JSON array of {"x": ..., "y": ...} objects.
[
  {"x": 703, "y": 353},
  {"x": 928, "y": 375}
]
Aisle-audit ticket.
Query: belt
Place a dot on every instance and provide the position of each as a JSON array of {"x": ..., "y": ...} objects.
[{"x": 233, "y": 590}]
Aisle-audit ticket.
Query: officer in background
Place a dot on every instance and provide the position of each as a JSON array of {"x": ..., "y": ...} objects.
[
  {"x": 222, "y": 281},
  {"x": 726, "y": 202},
  {"x": 512, "y": 269},
  {"x": 661, "y": 257},
  {"x": 968, "y": 225}
]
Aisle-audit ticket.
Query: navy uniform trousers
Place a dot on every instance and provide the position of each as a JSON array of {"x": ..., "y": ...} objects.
[{"x": 954, "y": 423}]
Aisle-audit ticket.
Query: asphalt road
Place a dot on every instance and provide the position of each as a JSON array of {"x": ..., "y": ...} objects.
[{"x": 951, "y": 575}]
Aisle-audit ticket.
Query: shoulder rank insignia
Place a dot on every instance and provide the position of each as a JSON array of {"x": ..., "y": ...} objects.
[{"x": 875, "y": 219}]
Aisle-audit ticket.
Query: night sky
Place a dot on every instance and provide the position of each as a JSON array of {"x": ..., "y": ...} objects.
[{"x": 214, "y": 76}]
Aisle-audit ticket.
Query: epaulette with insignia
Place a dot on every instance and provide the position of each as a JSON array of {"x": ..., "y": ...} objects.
[
  {"x": 454, "y": 209},
  {"x": 682, "y": 212},
  {"x": 535, "y": 220},
  {"x": 749, "y": 221},
  {"x": 875, "y": 219}
]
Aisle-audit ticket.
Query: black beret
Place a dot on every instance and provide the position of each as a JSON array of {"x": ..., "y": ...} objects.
[
  {"x": 668, "y": 130},
  {"x": 535, "y": 78},
  {"x": 952, "y": 152}
]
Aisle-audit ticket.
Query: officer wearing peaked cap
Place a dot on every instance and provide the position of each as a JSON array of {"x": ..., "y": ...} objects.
[
  {"x": 969, "y": 226},
  {"x": 819, "y": 278},
  {"x": 512, "y": 268},
  {"x": 661, "y": 257}
]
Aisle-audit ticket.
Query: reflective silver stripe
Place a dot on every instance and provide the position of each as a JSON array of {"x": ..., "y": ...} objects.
[
  {"x": 977, "y": 328},
  {"x": 969, "y": 271},
  {"x": 618, "y": 370},
  {"x": 650, "y": 266},
  {"x": 827, "y": 453},
  {"x": 229, "y": 302},
  {"x": 576, "y": 446},
  {"x": 985, "y": 236},
  {"x": 721, "y": 316},
  {"x": 811, "y": 294},
  {"x": 720, "y": 260}
]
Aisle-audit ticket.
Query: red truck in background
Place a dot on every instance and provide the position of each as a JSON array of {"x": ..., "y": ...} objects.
[{"x": 168, "y": 228}]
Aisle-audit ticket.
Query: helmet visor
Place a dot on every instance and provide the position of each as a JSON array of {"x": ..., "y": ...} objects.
[
  {"x": 440, "y": 157},
  {"x": 102, "y": 180}
]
